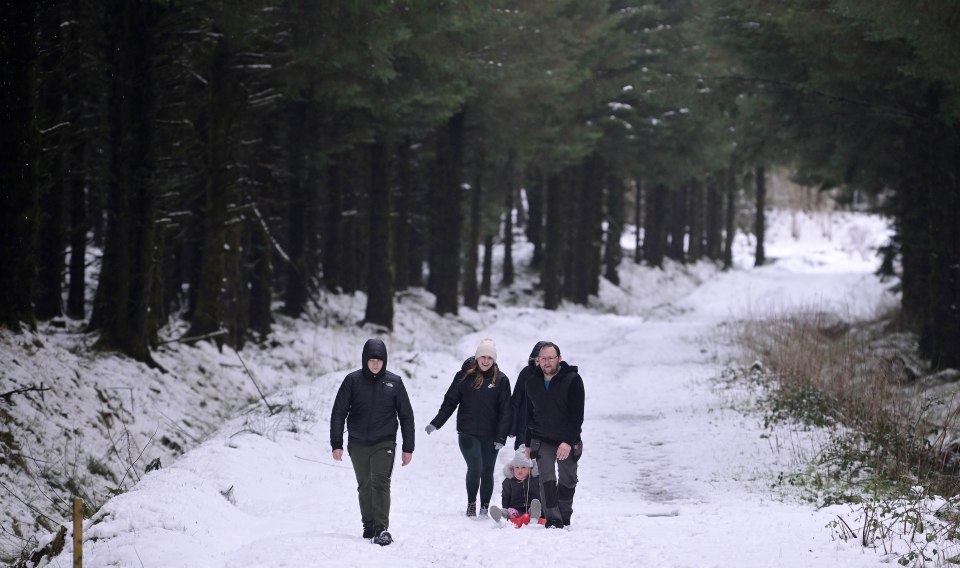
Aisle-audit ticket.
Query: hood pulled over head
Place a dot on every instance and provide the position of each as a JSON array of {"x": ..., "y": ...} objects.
[{"x": 374, "y": 349}]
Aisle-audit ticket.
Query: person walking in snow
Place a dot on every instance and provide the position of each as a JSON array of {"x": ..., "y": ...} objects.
[
  {"x": 518, "y": 401},
  {"x": 482, "y": 393},
  {"x": 555, "y": 401},
  {"x": 371, "y": 401},
  {"x": 519, "y": 493}
]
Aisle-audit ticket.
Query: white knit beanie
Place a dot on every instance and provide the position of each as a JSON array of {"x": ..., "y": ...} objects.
[
  {"x": 520, "y": 459},
  {"x": 487, "y": 348}
]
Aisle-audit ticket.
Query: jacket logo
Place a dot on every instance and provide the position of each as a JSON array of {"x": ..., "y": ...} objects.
[
  {"x": 490, "y": 386},
  {"x": 389, "y": 384}
]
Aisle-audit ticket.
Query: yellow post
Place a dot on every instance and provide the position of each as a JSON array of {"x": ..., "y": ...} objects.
[{"x": 77, "y": 533}]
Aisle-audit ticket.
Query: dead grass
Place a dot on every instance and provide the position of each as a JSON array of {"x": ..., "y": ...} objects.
[
  {"x": 862, "y": 375},
  {"x": 894, "y": 429}
]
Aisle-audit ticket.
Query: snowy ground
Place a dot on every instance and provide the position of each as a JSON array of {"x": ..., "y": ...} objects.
[{"x": 672, "y": 474}]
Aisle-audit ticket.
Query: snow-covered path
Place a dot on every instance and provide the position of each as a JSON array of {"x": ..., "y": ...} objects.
[{"x": 672, "y": 475}]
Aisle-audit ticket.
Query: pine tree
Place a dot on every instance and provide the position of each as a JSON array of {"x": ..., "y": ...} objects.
[{"x": 19, "y": 153}]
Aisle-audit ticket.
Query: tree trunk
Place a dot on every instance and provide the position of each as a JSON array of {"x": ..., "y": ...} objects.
[
  {"x": 121, "y": 306},
  {"x": 332, "y": 246},
  {"x": 353, "y": 242},
  {"x": 445, "y": 263},
  {"x": 588, "y": 213},
  {"x": 486, "y": 279},
  {"x": 553, "y": 246},
  {"x": 471, "y": 293},
  {"x": 695, "y": 245},
  {"x": 19, "y": 152},
  {"x": 509, "y": 183},
  {"x": 76, "y": 295},
  {"x": 535, "y": 193},
  {"x": 403, "y": 227},
  {"x": 380, "y": 272},
  {"x": 417, "y": 229},
  {"x": 52, "y": 221},
  {"x": 654, "y": 227},
  {"x": 638, "y": 222},
  {"x": 612, "y": 251},
  {"x": 714, "y": 220},
  {"x": 759, "y": 223},
  {"x": 261, "y": 254},
  {"x": 295, "y": 281},
  {"x": 209, "y": 314},
  {"x": 677, "y": 227},
  {"x": 730, "y": 216}
]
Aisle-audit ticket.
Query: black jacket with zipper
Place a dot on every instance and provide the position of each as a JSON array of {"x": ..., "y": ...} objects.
[
  {"x": 555, "y": 414},
  {"x": 517, "y": 495},
  {"x": 483, "y": 412},
  {"x": 372, "y": 405}
]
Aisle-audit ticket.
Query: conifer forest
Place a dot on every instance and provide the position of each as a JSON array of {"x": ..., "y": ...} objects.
[{"x": 223, "y": 162}]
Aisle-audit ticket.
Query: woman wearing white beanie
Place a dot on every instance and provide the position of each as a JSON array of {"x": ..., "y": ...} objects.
[{"x": 480, "y": 393}]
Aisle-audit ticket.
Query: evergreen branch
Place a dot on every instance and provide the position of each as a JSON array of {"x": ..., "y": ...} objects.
[{"x": 797, "y": 88}]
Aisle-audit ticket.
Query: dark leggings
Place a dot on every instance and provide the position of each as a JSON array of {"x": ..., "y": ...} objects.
[{"x": 481, "y": 458}]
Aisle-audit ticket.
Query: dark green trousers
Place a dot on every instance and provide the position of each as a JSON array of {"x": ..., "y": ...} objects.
[{"x": 373, "y": 466}]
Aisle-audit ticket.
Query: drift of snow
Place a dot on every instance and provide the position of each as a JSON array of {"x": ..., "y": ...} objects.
[{"x": 672, "y": 474}]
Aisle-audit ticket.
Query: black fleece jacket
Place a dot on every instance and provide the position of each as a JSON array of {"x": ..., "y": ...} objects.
[{"x": 555, "y": 414}]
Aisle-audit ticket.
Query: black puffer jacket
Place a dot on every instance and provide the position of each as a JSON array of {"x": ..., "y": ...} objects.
[
  {"x": 484, "y": 411},
  {"x": 372, "y": 404},
  {"x": 518, "y": 494},
  {"x": 555, "y": 414}
]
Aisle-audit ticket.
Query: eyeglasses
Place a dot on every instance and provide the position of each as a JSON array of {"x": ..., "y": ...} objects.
[{"x": 548, "y": 359}]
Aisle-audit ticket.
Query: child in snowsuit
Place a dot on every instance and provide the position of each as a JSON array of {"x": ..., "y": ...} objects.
[{"x": 520, "y": 493}]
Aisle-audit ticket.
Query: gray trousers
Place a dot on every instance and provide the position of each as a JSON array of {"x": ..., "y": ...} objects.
[{"x": 558, "y": 480}]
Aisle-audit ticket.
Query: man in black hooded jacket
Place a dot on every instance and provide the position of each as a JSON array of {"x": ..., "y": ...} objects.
[
  {"x": 370, "y": 401},
  {"x": 555, "y": 400}
]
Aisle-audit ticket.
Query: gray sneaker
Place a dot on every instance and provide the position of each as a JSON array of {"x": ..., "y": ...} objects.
[
  {"x": 472, "y": 509},
  {"x": 483, "y": 513},
  {"x": 534, "y": 510},
  {"x": 496, "y": 513}
]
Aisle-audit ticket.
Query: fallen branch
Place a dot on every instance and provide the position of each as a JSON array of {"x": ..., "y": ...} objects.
[
  {"x": 184, "y": 339},
  {"x": 7, "y": 395}
]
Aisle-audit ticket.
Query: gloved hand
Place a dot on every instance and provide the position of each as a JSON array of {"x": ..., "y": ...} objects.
[
  {"x": 430, "y": 429},
  {"x": 497, "y": 446}
]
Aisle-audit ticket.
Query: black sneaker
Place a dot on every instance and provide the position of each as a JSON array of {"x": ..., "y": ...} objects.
[
  {"x": 472, "y": 509},
  {"x": 368, "y": 533},
  {"x": 383, "y": 538}
]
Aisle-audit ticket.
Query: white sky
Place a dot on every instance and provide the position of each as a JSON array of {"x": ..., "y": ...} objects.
[{"x": 672, "y": 473}]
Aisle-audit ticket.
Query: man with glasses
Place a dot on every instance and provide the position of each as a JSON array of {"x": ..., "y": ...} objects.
[{"x": 554, "y": 421}]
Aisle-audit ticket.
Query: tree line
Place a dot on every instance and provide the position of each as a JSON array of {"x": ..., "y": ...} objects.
[{"x": 222, "y": 162}]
